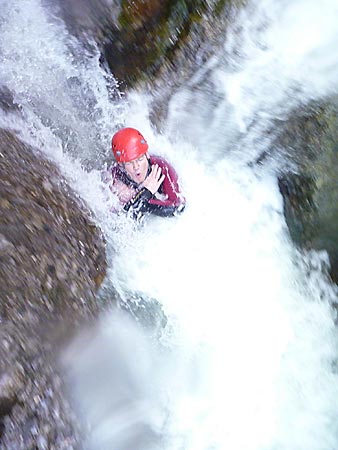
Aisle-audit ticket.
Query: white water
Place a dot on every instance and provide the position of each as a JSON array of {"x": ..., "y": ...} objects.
[{"x": 247, "y": 359}]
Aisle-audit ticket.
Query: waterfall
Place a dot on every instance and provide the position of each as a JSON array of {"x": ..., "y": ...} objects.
[{"x": 246, "y": 355}]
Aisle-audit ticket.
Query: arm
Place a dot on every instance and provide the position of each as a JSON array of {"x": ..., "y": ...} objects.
[
  {"x": 162, "y": 179},
  {"x": 174, "y": 201},
  {"x": 131, "y": 199},
  {"x": 139, "y": 202}
]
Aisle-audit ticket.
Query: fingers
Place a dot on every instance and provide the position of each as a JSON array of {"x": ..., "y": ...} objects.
[
  {"x": 160, "y": 181},
  {"x": 154, "y": 179},
  {"x": 156, "y": 172}
]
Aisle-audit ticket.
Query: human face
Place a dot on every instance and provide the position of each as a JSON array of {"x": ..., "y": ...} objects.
[{"x": 138, "y": 168}]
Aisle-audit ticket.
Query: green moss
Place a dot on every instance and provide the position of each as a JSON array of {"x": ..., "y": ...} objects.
[
  {"x": 125, "y": 19},
  {"x": 221, "y": 4}
]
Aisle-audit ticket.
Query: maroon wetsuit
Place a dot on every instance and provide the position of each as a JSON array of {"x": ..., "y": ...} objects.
[{"x": 166, "y": 202}]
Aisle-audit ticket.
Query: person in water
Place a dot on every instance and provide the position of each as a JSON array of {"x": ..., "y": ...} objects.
[{"x": 143, "y": 183}]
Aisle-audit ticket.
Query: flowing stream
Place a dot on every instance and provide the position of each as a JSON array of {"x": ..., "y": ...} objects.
[{"x": 242, "y": 349}]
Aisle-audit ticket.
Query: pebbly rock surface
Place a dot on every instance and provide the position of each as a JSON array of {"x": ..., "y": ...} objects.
[{"x": 52, "y": 260}]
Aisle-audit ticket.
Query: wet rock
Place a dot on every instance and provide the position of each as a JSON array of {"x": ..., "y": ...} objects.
[
  {"x": 310, "y": 189},
  {"x": 161, "y": 37},
  {"x": 91, "y": 18},
  {"x": 6, "y": 247},
  {"x": 7, "y": 102},
  {"x": 52, "y": 259}
]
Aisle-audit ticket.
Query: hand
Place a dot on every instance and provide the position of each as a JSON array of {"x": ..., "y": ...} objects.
[{"x": 154, "y": 179}]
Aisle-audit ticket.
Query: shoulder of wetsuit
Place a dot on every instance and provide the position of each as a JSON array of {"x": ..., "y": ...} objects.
[
  {"x": 164, "y": 164},
  {"x": 154, "y": 159}
]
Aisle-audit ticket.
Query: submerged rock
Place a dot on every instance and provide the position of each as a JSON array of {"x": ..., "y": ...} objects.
[{"x": 52, "y": 259}]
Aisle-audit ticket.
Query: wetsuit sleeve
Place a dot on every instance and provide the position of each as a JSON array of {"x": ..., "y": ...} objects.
[
  {"x": 163, "y": 210},
  {"x": 138, "y": 204}
]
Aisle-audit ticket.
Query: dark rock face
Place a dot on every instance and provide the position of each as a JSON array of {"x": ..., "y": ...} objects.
[
  {"x": 311, "y": 191},
  {"x": 52, "y": 260},
  {"x": 155, "y": 36},
  {"x": 138, "y": 39}
]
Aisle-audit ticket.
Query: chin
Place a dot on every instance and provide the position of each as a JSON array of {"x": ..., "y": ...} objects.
[{"x": 138, "y": 180}]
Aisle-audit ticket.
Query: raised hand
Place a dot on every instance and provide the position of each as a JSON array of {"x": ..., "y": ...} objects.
[{"x": 154, "y": 179}]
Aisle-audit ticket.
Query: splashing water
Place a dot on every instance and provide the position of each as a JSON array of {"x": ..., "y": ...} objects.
[{"x": 247, "y": 357}]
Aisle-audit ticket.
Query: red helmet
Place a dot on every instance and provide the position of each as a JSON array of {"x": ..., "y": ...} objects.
[{"x": 128, "y": 144}]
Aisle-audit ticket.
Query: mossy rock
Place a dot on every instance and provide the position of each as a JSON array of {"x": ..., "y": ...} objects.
[{"x": 151, "y": 33}]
